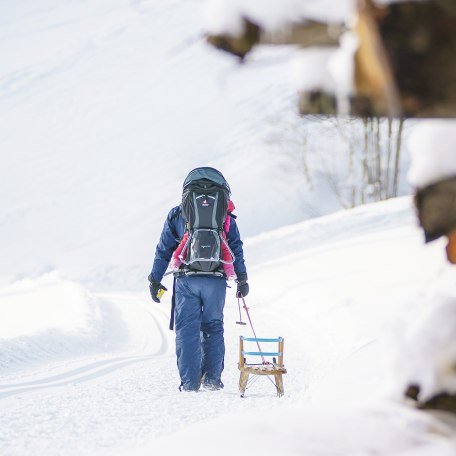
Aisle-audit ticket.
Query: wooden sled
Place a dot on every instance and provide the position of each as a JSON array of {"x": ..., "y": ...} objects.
[{"x": 275, "y": 368}]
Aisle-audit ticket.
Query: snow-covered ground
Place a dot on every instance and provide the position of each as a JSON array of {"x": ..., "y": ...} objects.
[
  {"x": 95, "y": 373},
  {"x": 104, "y": 108}
]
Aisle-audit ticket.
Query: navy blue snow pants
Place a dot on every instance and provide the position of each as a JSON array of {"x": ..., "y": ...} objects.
[{"x": 200, "y": 347}]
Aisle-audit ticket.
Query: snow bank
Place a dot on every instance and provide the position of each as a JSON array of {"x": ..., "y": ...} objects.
[
  {"x": 431, "y": 146},
  {"x": 323, "y": 429},
  {"x": 422, "y": 346},
  {"x": 47, "y": 318},
  {"x": 329, "y": 229}
]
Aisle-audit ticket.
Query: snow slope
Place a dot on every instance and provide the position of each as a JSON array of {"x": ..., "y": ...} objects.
[{"x": 105, "y": 106}]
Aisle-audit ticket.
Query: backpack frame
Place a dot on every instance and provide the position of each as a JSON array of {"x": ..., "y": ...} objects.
[{"x": 204, "y": 208}]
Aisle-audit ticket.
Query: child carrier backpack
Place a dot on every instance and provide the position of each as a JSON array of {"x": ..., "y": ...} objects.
[{"x": 205, "y": 201}]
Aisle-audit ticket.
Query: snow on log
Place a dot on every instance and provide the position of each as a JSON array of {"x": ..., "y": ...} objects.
[
  {"x": 427, "y": 360},
  {"x": 433, "y": 174}
]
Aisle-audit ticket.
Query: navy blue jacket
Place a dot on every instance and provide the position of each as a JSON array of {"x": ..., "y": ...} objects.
[{"x": 171, "y": 235}]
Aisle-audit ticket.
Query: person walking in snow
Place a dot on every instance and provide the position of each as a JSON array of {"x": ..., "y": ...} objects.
[{"x": 201, "y": 242}]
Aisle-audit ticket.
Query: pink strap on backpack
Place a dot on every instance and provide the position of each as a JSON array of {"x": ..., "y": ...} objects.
[{"x": 179, "y": 255}]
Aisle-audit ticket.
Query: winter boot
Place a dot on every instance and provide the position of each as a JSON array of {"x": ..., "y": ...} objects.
[{"x": 210, "y": 384}]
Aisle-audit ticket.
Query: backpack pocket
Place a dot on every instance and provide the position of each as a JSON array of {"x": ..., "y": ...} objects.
[{"x": 204, "y": 250}]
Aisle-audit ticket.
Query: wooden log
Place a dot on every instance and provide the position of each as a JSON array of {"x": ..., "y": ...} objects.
[
  {"x": 267, "y": 369},
  {"x": 442, "y": 401},
  {"x": 420, "y": 41},
  {"x": 317, "y": 102},
  {"x": 241, "y": 45},
  {"x": 302, "y": 34},
  {"x": 436, "y": 208},
  {"x": 373, "y": 74}
]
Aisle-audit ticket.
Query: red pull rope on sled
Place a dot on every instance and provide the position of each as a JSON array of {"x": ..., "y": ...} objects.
[{"x": 240, "y": 322}]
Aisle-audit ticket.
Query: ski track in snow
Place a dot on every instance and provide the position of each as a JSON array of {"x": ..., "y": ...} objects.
[
  {"x": 96, "y": 369},
  {"x": 97, "y": 398}
]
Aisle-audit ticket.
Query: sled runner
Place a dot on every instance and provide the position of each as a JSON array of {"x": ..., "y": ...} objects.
[{"x": 274, "y": 367}]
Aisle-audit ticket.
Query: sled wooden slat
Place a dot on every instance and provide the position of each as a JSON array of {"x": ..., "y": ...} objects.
[
  {"x": 268, "y": 369},
  {"x": 275, "y": 368},
  {"x": 261, "y": 339},
  {"x": 262, "y": 353}
]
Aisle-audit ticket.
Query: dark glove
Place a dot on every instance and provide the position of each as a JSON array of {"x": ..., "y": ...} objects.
[
  {"x": 242, "y": 286},
  {"x": 156, "y": 289}
]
